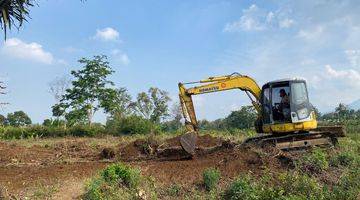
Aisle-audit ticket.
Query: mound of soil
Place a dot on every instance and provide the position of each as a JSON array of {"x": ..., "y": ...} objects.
[
  {"x": 170, "y": 164},
  {"x": 169, "y": 149}
]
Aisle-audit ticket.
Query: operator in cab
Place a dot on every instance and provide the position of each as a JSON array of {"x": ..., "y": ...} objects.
[{"x": 285, "y": 104}]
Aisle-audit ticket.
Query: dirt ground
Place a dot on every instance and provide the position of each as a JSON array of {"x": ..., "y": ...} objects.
[{"x": 59, "y": 170}]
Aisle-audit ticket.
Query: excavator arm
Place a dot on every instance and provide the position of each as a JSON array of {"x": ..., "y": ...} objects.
[
  {"x": 216, "y": 84},
  {"x": 210, "y": 85}
]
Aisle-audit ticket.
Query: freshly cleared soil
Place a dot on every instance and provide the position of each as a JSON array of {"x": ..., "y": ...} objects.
[{"x": 24, "y": 168}]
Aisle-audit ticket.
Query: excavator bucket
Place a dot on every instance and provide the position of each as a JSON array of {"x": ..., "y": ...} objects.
[{"x": 188, "y": 142}]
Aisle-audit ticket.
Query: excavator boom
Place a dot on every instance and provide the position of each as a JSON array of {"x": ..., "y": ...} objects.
[
  {"x": 212, "y": 84},
  {"x": 216, "y": 84}
]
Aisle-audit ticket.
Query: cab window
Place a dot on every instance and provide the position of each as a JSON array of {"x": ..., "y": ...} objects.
[
  {"x": 280, "y": 96},
  {"x": 266, "y": 105}
]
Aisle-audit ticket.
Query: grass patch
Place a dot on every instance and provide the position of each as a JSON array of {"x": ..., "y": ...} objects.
[
  {"x": 211, "y": 177},
  {"x": 120, "y": 181}
]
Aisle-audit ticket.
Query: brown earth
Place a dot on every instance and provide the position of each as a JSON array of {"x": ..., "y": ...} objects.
[{"x": 22, "y": 169}]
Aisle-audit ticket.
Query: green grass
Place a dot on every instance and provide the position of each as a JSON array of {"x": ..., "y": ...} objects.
[
  {"x": 211, "y": 177},
  {"x": 120, "y": 181}
]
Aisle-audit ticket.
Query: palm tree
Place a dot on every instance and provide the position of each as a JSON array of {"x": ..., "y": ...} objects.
[{"x": 14, "y": 13}]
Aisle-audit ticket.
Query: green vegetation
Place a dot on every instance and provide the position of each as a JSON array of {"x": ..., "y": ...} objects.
[
  {"x": 18, "y": 118},
  {"x": 38, "y": 131},
  {"x": 211, "y": 178},
  {"x": 315, "y": 162},
  {"x": 120, "y": 181}
]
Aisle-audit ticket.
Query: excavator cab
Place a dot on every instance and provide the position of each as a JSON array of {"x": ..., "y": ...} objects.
[
  {"x": 285, "y": 101},
  {"x": 285, "y": 105}
]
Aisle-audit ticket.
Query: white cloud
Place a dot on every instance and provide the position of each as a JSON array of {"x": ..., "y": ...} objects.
[
  {"x": 286, "y": 23},
  {"x": 311, "y": 34},
  {"x": 107, "y": 34},
  {"x": 323, "y": 32},
  {"x": 249, "y": 21},
  {"x": 270, "y": 16},
  {"x": 353, "y": 57},
  {"x": 120, "y": 56},
  {"x": 351, "y": 76},
  {"x": 17, "y": 48},
  {"x": 256, "y": 19},
  {"x": 71, "y": 49}
]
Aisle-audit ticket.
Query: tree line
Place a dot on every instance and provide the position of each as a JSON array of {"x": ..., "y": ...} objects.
[{"x": 89, "y": 91}]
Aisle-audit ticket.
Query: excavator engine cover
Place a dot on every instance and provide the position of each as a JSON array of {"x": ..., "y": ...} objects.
[{"x": 188, "y": 142}]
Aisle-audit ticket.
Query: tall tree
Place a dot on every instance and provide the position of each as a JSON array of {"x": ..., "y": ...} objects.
[
  {"x": 116, "y": 102},
  {"x": 153, "y": 105},
  {"x": 243, "y": 118},
  {"x": 90, "y": 88},
  {"x": 14, "y": 13},
  {"x": 342, "y": 111},
  {"x": 18, "y": 118}
]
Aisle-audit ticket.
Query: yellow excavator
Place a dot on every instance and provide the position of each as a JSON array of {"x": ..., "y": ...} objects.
[{"x": 285, "y": 117}]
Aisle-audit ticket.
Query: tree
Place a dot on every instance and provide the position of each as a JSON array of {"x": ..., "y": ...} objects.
[
  {"x": 176, "y": 116},
  {"x": 14, "y": 13},
  {"x": 317, "y": 113},
  {"x": 116, "y": 102},
  {"x": 342, "y": 111},
  {"x": 18, "y": 118},
  {"x": 153, "y": 105},
  {"x": 89, "y": 92},
  {"x": 2, "y": 120},
  {"x": 243, "y": 118},
  {"x": 58, "y": 87}
]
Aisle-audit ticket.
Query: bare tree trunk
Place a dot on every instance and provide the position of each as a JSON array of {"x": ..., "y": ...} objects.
[{"x": 2, "y": 91}]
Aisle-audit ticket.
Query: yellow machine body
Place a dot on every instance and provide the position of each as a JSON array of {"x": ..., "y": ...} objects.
[{"x": 254, "y": 92}]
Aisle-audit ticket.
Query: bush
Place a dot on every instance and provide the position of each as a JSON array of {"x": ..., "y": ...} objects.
[
  {"x": 120, "y": 181},
  {"x": 86, "y": 130},
  {"x": 131, "y": 125},
  {"x": 36, "y": 131},
  {"x": 17, "y": 133},
  {"x": 241, "y": 189},
  {"x": 211, "y": 178},
  {"x": 123, "y": 174}
]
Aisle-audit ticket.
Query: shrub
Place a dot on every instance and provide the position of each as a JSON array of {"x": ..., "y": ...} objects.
[
  {"x": 123, "y": 174},
  {"x": 130, "y": 125},
  {"x": 15, "y": 133},
  {"x": 120, "y": 181},
  {"x": 86, "y": 130},
  {"x": 241, "y": 189},
  {"x": 315, "y": 162},
  {"x": 211, "y": 178}
]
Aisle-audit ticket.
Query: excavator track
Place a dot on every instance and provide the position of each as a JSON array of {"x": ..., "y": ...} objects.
[{"x": 322, "y": 136}]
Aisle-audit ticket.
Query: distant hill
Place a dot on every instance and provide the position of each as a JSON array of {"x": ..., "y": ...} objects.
[{"x": 355, "y": 105}]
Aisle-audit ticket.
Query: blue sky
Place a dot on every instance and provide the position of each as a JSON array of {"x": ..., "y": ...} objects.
[{"x": 160, "y": 43}]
